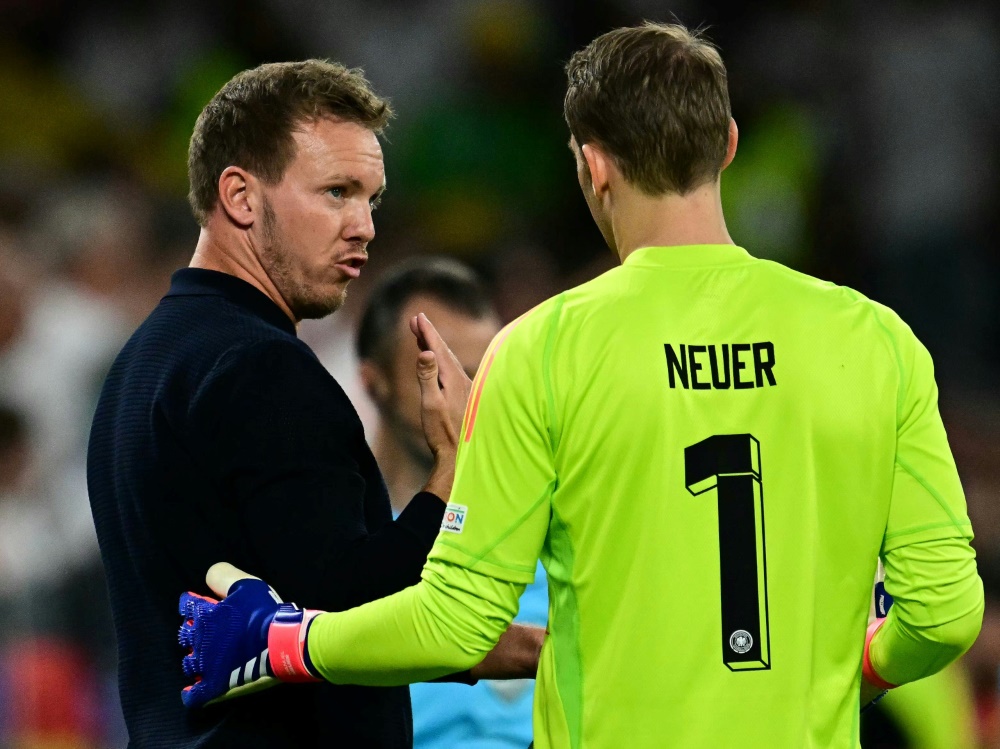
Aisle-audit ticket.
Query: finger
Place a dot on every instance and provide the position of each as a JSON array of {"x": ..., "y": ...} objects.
[
  {"x": 426, "y": 365},
  {"x": 428, "y": 333},
  {"x": 448, "y": 365},
  {"x": 193, "y": 608},
  {"x": 190, "y": 665},
  {"x": 194, "y": 695},
  {"x": 222, "y": 575},
  {"x": 415, "y": 329},
  {"x": 189, "y": 600},
  {"x": 186, "y": 633},
  {"x": 427, "y": 376}
]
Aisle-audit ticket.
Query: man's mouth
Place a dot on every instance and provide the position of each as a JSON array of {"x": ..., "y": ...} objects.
[{"x": 351, "y": 265}]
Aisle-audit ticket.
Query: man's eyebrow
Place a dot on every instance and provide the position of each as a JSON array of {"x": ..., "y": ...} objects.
[{"x": 345, "y": 179}]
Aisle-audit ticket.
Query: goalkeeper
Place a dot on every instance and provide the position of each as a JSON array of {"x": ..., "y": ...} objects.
[{"x": 708, "y": 452}]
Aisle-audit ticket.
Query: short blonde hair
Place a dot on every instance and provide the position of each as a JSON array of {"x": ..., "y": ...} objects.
[
  {"x": 655, "y": 98},
  {"x": 249, "y": 122}
]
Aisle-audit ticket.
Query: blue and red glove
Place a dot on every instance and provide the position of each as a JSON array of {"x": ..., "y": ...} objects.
[
  {"x": 245, "y": 642},
  {"x": 883, "y": 602}
]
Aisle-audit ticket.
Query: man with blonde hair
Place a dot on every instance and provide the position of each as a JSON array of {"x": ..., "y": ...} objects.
[
  {"x": 640, "y": 432},
  {"x": 220, "y": 435}
]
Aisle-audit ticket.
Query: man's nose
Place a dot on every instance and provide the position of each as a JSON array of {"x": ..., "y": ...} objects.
[{"x": 362, "y": 226}]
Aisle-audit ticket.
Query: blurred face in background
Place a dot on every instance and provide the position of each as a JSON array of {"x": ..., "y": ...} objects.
[
  {"x": 15, "y": 452},
  {"x": 316, "y": 221},
  {"x": 12, "y": 312},
  {"x": 394, "y": 386}
]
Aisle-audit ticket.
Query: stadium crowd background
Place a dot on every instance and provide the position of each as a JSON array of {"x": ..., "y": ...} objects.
[{"x": 868, "y": 156}]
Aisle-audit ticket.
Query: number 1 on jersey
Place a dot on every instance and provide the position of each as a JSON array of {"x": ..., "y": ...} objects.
[{"x": 730, "y": 464}]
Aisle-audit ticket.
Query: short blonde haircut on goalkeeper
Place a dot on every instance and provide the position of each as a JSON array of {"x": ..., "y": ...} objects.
[{"x": 655, "y": 98}]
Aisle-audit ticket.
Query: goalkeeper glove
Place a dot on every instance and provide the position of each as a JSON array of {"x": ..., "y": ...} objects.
[
  {"x": 246, "y": 642},
  {"x": 883, "y": 602}
]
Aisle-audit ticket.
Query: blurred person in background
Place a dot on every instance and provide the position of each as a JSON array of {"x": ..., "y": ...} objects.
[
  {"x": 53, "y": 603},
  {"x": 481, "y": 155},
  {"x": 76, "y": 269},
  {"x": 927, "y": 167},
  {"x": 492, "y": 714},
  {"x": 972, "y": 430},
  {"x": 29, "y": 559},
  {"x": 50, "y": 696},
  {"x": 38, "y": 541},
  {"x": 449, "y": 293}
]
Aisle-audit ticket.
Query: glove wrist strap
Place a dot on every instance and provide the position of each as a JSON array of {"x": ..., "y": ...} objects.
[
  {"x": 286, "y": 643},
  {"x": 867, "y": 669}
]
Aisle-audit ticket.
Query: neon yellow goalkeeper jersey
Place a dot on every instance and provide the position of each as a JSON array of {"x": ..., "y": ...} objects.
[
  {"x": 702, "y": 446},
  {"x": 708, "y": 452}
]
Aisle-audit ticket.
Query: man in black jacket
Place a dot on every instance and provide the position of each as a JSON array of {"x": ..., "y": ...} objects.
[{"x": 219, "y": 435}]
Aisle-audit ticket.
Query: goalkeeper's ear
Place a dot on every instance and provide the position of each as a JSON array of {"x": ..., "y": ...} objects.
[{"x": 222, "y": 576}]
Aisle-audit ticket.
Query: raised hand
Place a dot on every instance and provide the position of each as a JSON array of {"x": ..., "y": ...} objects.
[{"x": 444, "y": 392}]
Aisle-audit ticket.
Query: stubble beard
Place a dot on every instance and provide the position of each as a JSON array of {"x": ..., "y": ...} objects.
[{"x": 304, "y": 302}]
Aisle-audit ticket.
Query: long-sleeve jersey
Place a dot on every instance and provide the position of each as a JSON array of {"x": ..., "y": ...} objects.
[{"x": 708, "y": 452}]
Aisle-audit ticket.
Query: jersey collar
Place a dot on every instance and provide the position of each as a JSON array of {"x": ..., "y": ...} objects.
[
  {"x": 688, "y": 256},
  {"x": 204, "y": 282}
]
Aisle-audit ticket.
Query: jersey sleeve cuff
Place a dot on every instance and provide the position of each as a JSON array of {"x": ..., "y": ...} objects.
[
  {"x": 286, "y": 644},
  {"x": 867, "y": 669},
  {"x": 460, "y": 677}
]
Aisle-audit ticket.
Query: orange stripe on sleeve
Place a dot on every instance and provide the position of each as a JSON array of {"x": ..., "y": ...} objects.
[
  {"x": 477, "y": 385},
  {"x": 488, "y": 356}
]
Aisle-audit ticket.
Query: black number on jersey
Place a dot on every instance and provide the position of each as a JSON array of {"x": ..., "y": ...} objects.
[{"x": 730, "y": 464}]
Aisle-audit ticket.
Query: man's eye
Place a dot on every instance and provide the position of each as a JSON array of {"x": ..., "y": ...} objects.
[
  {"x": 337, "y": 192},
  {"x": 375, "y": 203}
]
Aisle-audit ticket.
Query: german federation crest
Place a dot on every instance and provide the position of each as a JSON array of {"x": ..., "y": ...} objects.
[{"x": 741, "y": 641}]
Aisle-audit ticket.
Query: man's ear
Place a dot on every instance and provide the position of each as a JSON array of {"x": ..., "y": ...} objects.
[
  {"x": 734, "y": 136},
  {"x": 599, "y": 166},
  {"x": 375, "y": 382},
  {"x": 237, "y": 195}
]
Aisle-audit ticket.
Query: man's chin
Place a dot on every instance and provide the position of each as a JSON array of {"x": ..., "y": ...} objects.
[{"x": 316, "y": 309}]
